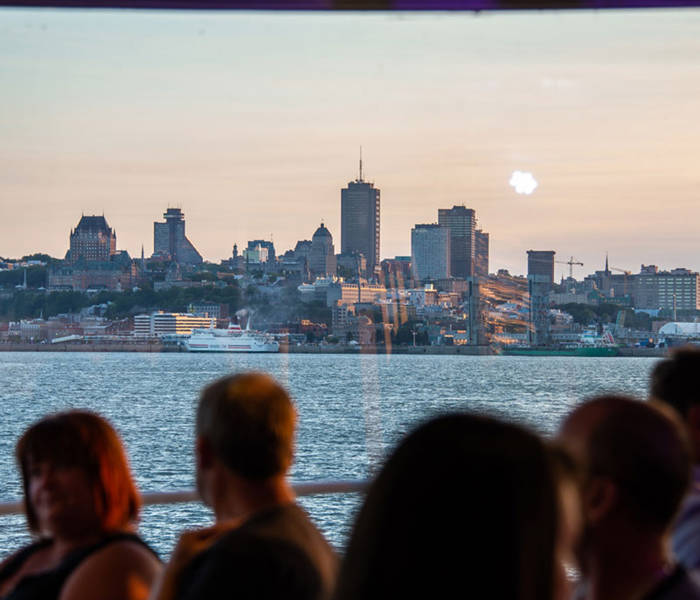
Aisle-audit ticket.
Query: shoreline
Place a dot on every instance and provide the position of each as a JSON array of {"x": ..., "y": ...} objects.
[{"x": 301, "y": 349}]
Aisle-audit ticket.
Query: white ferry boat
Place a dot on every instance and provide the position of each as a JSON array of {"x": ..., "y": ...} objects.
[{"x": 233, "y": 339}]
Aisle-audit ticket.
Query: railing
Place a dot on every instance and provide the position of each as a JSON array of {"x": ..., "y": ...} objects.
[{"x": 302, "y": 488}]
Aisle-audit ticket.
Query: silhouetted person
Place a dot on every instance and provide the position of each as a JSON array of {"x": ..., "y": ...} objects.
[
  {"x": 675, "y": 382},
  {"x": 263, "y": 544},
  {"x": 636, "y": 465},
  {"x": 82, "y": 506},
  {"x": 466, "y": 506}
]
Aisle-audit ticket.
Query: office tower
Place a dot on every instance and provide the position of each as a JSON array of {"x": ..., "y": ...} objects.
[
  {"x": 322, "y": 259},
  {"x": 359, "y": 220},
  {"x": 540, "y": 277},
  {"x": 481, "y": 253},
  {"x": 169, "y": 239},
  {"x": 92, "y": 240},
  {"x": 430, "y": 252},
  {"x": 460, "y": 221}
]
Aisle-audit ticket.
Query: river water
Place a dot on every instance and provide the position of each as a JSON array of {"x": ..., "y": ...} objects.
[{"x": 352, "y": 409}]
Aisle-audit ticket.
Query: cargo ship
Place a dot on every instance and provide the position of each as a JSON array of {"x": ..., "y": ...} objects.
[
  {"x": 589, "y": 344},
  {"x": 561, "y": 351}
]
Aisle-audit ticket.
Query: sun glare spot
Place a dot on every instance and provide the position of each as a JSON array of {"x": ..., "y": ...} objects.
[{"x": 524, "y": 183}]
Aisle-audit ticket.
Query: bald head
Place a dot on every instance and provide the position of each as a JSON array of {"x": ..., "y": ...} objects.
[{"x": 640, "y": 448}]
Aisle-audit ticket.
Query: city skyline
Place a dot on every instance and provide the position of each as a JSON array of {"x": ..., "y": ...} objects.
[{"x": 127, "y": 113}]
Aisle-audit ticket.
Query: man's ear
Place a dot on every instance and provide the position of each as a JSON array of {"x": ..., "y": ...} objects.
[
  {"x": 203, "y": 453},
  {"x": 599, "y": 499}
]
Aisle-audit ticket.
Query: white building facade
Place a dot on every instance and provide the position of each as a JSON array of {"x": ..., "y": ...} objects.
[{"x": 162, "y": 323}]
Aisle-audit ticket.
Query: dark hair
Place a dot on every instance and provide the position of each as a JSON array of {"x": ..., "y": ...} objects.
[
  {"x": 82, "y": 439},
  {"x": 644, "y": 451},
  {"x": 673, "y": 380},
  {"x": 463, "y": 501},
  {"x": 249, "y": 421}
]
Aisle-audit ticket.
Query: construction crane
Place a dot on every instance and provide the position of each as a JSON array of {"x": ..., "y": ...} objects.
[
  {"x": 571, "y": 262},
  {"x": 626, "y": 273}
]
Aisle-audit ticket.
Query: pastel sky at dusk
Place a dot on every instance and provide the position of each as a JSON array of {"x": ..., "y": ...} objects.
[{"x": 252, "y": 123}]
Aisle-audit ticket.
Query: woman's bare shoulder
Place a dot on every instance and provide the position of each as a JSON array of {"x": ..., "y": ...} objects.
[{"x": 122, "y": 570}]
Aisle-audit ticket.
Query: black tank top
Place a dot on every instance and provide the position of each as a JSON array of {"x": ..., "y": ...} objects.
[{"x": 47, "y": 585}]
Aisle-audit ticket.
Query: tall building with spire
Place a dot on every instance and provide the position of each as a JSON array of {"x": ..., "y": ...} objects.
[
  {"x": 360, "y": 220},
  {"x": 169, "y": 239}
]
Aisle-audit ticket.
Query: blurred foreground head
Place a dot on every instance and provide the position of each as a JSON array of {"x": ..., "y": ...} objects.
[
  {"x": 248, "y": 420},
  {"x": 636, "y": 464},
  {"x": 74, "y": 466},
  {"x": 464, "y": 503},
  {"x": 674, "y": 382}
]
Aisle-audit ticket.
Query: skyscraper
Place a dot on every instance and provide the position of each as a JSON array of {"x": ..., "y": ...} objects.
[
  {"x": 540, "y": 277},
  {"x": 461, "y": 222},
  {"x": 359, "y": 220},
  {"x": 430, "y": 252},
  {"x": 481, "y": 253},
  {"x": 169, "y": 238}
]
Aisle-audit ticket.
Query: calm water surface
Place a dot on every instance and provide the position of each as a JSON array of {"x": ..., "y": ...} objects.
[{"x": 352, "y": 409}]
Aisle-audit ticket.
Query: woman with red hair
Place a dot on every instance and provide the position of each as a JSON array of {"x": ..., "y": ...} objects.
[{"x": 82, "y": 505}]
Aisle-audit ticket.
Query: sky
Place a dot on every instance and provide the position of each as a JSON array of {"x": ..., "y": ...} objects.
[{"x": 252, "y": 123}]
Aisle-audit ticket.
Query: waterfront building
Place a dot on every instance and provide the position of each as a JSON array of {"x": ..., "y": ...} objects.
[
  {"x": 92, "y": 240},
  {"x": 322, "y": 261},
  {"x": 430, "y": 252},
  {"x": 540, "y": 277},
  {"x": 169, "y": 239},
  {"x": 163, "y": 323},
  {"x": 360, "y": 220},
  {"x": 481, "y": 253},
  {"x": 678, "y": 289},
  {"x": 461, "y": 222}
]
